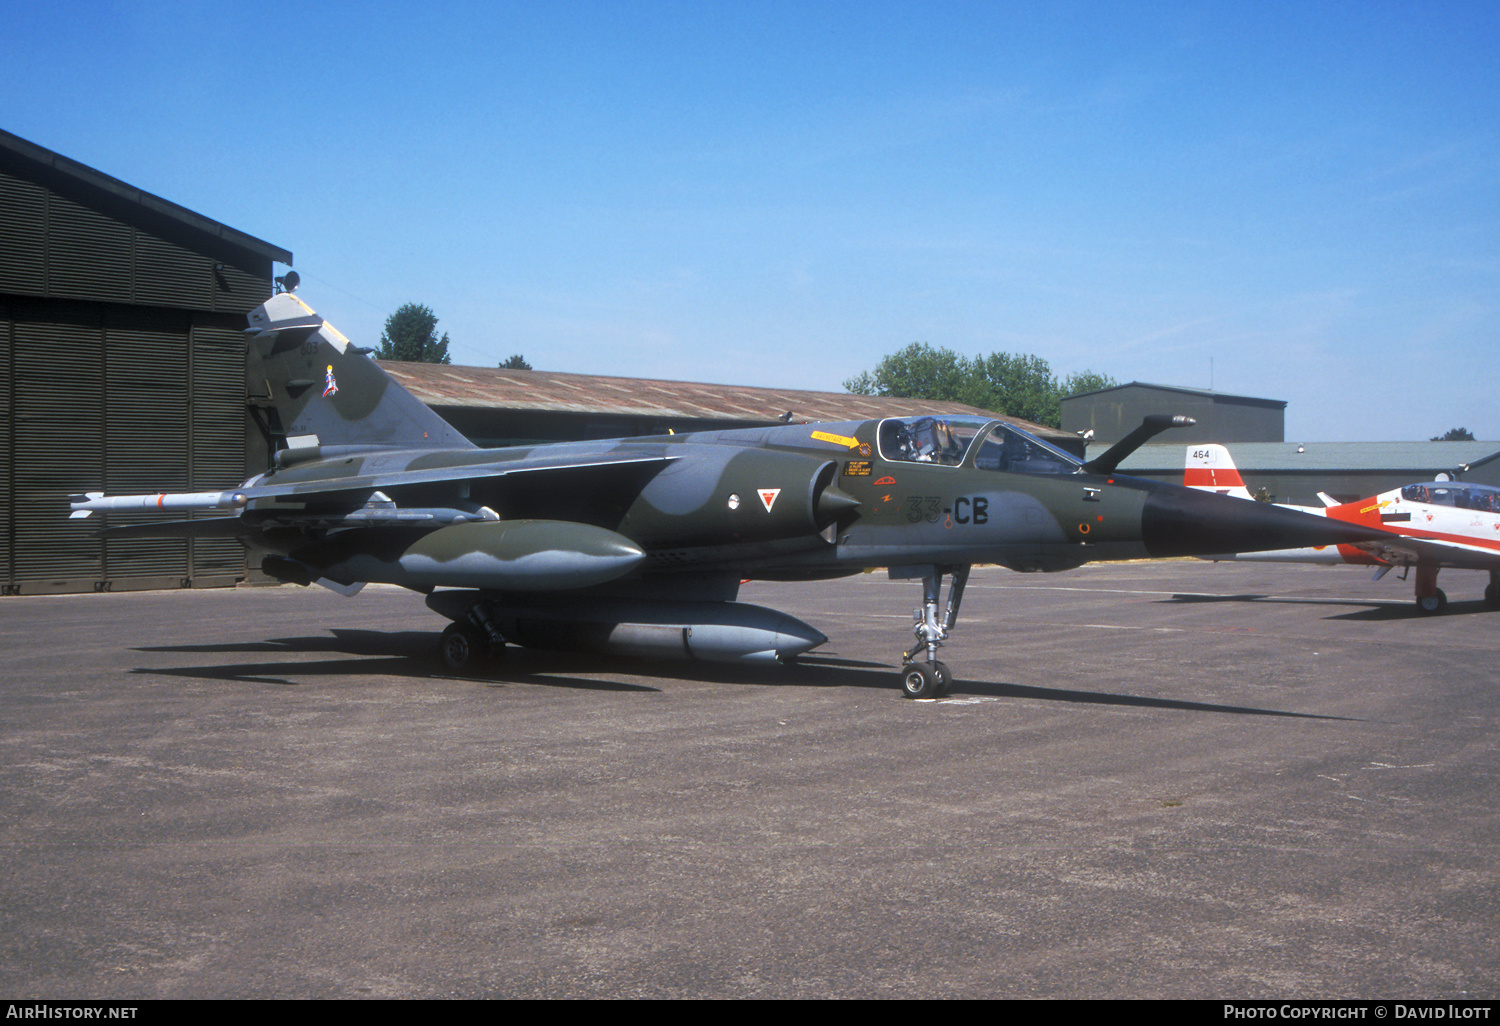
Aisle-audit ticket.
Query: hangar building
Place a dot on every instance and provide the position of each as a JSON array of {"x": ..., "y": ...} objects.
[
  {"x": 1295, "y": 473},
  {"x": 121, "y": 366},
  {"x": 1112, "y": 413},
  {"x": 1254, "y": 430}
]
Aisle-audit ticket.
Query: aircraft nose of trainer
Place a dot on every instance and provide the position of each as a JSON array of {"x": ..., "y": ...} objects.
[{"x": 1183, "y": 522}]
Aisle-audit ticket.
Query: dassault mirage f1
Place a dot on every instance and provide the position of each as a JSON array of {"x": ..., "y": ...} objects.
[{"x": 638, "y": 546}]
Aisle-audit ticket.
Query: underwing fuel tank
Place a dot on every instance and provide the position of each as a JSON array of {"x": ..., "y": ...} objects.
[
  {"x": 711, "y": 632},
  {"x": 521, "y": 555}
]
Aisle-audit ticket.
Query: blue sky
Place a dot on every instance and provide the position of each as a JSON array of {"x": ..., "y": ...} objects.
[{"x": 1292, "y": 200}]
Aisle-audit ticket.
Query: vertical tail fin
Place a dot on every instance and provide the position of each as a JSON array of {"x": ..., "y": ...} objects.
[
  {"x": 322, "y": 391},
  {"x": 1210, "y": 468}
]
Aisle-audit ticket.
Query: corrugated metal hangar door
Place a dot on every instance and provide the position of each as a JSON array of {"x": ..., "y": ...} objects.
[
  {"x": 120, "y": 400},
  {"x": 122, "y": 369}
]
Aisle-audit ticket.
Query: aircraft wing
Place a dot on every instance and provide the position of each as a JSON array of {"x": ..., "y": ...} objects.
[
  {"x": 548, "y": 474},
  {"x": 542, "y": 465},
  {"x": 1402, "y": 549}
]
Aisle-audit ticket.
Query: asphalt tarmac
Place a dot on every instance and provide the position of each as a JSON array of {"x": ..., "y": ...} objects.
[{"x": 1168, "y": 779}]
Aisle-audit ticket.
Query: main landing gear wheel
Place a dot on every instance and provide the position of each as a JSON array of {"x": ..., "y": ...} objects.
[
  {"x": 463, "y": 647},
  {"x": 1492, "y": 596},
  {"x": 1437, "y": 602}
]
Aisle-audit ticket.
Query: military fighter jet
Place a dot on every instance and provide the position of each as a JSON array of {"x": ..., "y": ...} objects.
[
  {"x": 638, "y": 546},
  {"x": 1431, "y": 525}
]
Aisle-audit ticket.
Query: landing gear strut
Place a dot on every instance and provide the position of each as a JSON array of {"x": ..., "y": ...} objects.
[
  {"x": 468, "y": 644},
  {"x": 1430, "y": 598},
  {"x": 931, "y": 678}
]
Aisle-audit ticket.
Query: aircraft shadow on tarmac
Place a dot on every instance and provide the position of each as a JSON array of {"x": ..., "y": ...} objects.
[
  {"x": 1379, "y": 610},
  {"x": 351, "y": 642},
  {"x": 378, "y": 654},
  {"x": 412, "y": 654}
]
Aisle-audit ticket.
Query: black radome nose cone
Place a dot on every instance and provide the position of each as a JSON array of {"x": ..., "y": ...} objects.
[{"x": 1183, "y": 522}]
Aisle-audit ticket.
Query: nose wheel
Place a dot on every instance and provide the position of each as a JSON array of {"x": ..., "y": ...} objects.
[
  {"x": 930, "y": 677},
  {"x": 1430, "y": 598},
  {"x": 1434, "y": 603},
  {"x": 925, "y": 680}
]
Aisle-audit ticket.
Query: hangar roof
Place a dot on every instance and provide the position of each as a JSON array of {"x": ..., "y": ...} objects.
[
  {"x": 41, "y": 164},
  {"x": 1204, "y": 393},
  {"x": 1341, "y": 457},
  {"x": 498, "y": 388}
]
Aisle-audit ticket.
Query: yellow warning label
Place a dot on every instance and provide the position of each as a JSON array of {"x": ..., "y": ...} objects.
[{"x": 844, "y": 440}]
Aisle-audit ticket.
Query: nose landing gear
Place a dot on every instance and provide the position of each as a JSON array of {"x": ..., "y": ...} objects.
[
  {"x": 931, "y": 678},
  {"x": 1430, "y": 598}
]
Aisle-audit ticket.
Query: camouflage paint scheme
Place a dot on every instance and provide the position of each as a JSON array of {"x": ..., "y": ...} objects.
[{"x": 638, "y": 545}]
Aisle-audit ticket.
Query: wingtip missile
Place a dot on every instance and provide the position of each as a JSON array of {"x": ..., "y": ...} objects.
[{"x": 97, "y": 502}]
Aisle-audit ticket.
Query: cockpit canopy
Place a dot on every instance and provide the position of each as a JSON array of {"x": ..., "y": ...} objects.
[
  {"x": 1454, "y": 493},
  {"x": 942, "y": 440},
  {"x": 949, "y": 441}
]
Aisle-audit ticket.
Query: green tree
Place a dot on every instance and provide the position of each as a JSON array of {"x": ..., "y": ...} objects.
[
  {"x": 411, "y": 335},
  {"x": 921, "y": 371},
  {"x": 1015, "y": 384},
  {"x": 1454, "y": 435},
  {"x": 517, "y": 362},
  {"x": 1023, "y": 386},
  {"x": 1086, "y": 381}
]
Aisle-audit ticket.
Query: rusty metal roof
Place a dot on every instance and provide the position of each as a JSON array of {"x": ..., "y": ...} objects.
[{"x": 498, "y": 388}]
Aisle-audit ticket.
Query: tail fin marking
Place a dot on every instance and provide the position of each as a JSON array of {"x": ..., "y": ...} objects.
[
  {"x": 323, "y": 387},
  {"x": 1210, "y": 468}
]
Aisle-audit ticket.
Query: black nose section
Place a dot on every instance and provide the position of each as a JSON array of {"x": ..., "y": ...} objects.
[{"x": 1183, "y": 522}]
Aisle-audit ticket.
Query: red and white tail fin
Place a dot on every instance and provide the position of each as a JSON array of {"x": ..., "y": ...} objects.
[{"x": 1210, "y": 468}]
